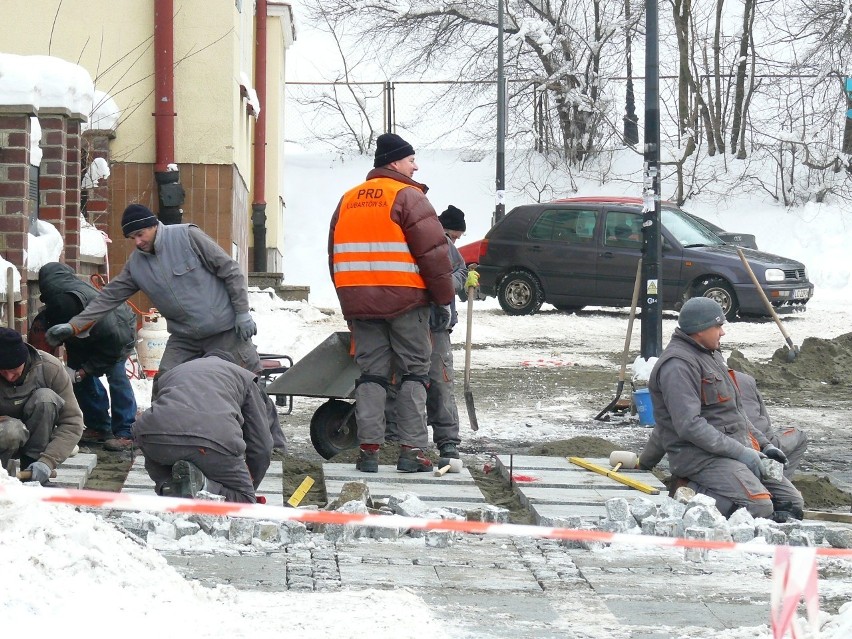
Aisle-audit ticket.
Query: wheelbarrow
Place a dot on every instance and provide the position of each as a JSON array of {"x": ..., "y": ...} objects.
[{"x": 327, "y": 371}]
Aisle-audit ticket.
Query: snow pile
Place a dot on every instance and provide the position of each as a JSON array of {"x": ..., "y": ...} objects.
[
  {"x": 56, "y": 560},
  {"x": 45, "y": 245}
]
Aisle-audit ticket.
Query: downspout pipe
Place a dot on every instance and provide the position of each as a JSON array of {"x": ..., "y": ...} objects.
[
  {"x": 258, "y": 206},
  {"x": 170, "y": 193}
]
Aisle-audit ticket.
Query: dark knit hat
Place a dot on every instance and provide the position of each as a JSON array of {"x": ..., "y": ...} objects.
[
  {"x": 390, "y": 148},
  {"x": 700, "y": 313},
  {"x": 453, "y": 219},
  {"x": 137, "y": 217},
  {"x": 13, "y": 351}
]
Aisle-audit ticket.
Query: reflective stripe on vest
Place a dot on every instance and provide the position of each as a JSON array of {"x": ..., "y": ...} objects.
[{"x": 370, "y": 248}]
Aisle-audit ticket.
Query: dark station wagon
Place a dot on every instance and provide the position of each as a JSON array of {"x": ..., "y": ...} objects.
[{"x": 581, "y": 252}]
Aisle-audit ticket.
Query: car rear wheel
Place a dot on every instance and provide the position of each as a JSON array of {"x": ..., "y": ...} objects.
[
  {"x": 520, "y": 293},
  {"x": 721, "y": 292}
]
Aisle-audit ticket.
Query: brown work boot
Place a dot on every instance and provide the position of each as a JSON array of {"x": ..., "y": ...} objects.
[
  {"x": 117, "y": 444},
  {"x": 94, "y": 436},
  {"x": 413, "y": 460}
]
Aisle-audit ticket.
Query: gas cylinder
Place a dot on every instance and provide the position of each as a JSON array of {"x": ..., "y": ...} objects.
[{"x": 152, "y": 342}]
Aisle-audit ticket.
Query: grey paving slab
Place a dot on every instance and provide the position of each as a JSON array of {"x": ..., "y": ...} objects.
[
  {"x": 470, "y": 495},
  {"x": 267, "y": 573},
  {"x": 452, "y": 490},
  {"x": 390, "y": 576},
  {"x": 70, "y": 477},
  {"x": 552, "y": 488},
  {"x": 87, "y": 461},
  {"x": 471, "y": 578}
]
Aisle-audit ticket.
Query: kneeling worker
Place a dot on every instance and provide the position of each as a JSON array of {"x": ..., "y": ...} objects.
[
  {"x": 40, "y": 420},
  {"x": 207, "y": 429},
  {"x": 703, "y": 426}
]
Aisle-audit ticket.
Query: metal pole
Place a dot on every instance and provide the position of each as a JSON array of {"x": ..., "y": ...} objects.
[
  {"x": 500, "y": 196},
  {"x": 652, "y": 318}
]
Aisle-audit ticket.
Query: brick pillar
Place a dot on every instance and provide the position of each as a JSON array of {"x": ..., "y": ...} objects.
[
  {"x": 96, "y": 143},
  {"x": 72, "y": 192},
  {"x": 51, "y": 181},
  {"x": 14, "y": 198}
]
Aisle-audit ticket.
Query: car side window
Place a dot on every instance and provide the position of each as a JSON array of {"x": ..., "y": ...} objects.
[
  {"x": 573, "y": 227},
  {"x": 623, "y": 230}
]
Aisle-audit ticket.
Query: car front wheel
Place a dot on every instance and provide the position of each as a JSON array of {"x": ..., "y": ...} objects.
[
  {"x": 721, "y": 292},
  {"x": 520, "y": 293}
]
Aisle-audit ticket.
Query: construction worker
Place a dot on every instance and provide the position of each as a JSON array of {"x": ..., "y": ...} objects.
[
  {"x": 702, "y": 425},
  {"x": 207, "y": 429},
  {"x": 389, "y": 259},
  {"x": 104, "y": 352},
  {"x": 790, "y": 440},
  {"x": 194, "y": 284},
  {"x": 40, "y": 420},
  {"x": 442, "y": 413}
]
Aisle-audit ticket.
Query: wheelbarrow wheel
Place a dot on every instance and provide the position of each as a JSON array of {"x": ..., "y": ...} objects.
[{"x": 333, "y": 428}]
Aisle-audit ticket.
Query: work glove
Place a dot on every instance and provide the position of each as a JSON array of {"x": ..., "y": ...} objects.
[
  {"x": 472, "y": 280},
  {"x": 40, "y": 471},
  {"x": 245, "y": 326},
  {"x": 57, "y": 334},
  {"x": 751, "y": 458},
  {"x": 443, "y": 317},
  {"x": 773, "y": 452}
]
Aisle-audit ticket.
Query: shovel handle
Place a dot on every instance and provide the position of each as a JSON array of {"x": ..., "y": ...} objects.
[{"x": 766, "y": 302}]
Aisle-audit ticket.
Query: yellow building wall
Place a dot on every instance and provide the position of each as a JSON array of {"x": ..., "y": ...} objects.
[{"x": 114, "y": 41}]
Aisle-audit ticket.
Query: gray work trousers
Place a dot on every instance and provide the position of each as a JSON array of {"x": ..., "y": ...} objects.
[
  {"x": 733, "y": 485},
  {"x": 39, "y": 415},
  {"x": 227, "y": 475},
  {"x": 442, "y": 413},
  {"x": 405, "y": 343},
  {"x": 793, "y": 443},
  {"x": 180, "y": 349}
]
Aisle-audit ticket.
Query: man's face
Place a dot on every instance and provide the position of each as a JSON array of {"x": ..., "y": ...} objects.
[
  {"x": 144, "y": 238},
  {"x": 12, "y": 375},
  {"x": 406, "y": 166},
  {"x": 710, "y": 338},
  {"x": 454, "y": 235}
]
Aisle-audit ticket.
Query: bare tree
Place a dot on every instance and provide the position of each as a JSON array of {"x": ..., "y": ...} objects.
[{"x": 558, "y": 48}]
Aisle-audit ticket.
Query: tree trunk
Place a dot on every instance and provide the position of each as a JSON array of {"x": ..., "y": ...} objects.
[{"x": 742, "y": 66}]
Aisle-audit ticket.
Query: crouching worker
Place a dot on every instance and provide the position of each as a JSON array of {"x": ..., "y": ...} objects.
[
  {"x": 703, "y": 426},
  {"x": 208, "y": 429},
  {"x": 40, "y": 420}
]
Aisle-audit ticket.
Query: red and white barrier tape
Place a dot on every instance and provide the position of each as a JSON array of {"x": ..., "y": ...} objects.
[{"x": 154, "y": 503}]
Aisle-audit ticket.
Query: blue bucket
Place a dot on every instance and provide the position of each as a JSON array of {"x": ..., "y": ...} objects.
[{"x": 644, "y": 407}]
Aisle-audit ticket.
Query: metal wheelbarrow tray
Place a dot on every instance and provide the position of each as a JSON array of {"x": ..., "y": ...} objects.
[{"x": 327, "y": 371}]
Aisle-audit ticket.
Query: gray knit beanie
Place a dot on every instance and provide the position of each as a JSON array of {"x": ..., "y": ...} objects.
[{"x": 700, "y": 313}]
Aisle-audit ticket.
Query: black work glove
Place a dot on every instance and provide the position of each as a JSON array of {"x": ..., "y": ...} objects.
[{"x": 773, "y": 452}]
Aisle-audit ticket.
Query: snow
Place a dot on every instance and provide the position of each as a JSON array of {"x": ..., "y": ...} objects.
[{"x": 44, "y": 245}]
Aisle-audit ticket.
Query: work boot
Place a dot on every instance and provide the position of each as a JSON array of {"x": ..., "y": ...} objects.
[
  {"x": 187, "y": 481},
  {"x": 117, "y": 444},
  {"x": 368, "y": 461},
  {"x": 94, "y": 436},
  {"x": 449, "y": 451},
  {"x": 413, "y": 460}
]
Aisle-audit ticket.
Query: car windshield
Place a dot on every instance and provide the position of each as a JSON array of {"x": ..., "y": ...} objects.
[{"x": 687, "y": 231}]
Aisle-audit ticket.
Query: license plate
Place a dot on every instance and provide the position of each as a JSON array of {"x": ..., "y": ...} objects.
[{"x": 801, "y": 293}]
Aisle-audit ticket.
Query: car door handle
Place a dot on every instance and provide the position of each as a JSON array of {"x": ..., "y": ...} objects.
[
  {"x": 535, "y": 248},
  {"x": 608, "y": 255}
]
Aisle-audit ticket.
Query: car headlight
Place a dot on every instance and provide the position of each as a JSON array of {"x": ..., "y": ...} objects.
[{"x": 774, "y": 275}]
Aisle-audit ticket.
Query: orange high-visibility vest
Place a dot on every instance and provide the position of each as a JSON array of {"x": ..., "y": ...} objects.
[{"x": 370, "y": 248}]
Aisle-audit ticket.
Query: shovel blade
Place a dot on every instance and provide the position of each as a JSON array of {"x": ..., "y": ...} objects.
[{"x": 471, "y": 410}]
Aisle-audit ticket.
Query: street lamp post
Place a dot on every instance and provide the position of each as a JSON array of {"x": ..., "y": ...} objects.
[
  {"x": 500, "y": 195},
  {"x": 652, "y": 298}
]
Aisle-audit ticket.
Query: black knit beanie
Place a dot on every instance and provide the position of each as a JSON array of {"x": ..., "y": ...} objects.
[
  {"x": 453, "y": 219},
  {"x": 390, "y": 148},
  {"x": 13, "y": 351},
  {"x": 137, "y": 217}
]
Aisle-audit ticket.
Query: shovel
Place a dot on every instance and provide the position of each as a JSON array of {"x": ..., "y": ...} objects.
[
  {"x": 793, "y": 350},
  {"x": 468, "y": 395},
  {"x": 626, "y": 351}
]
